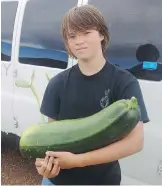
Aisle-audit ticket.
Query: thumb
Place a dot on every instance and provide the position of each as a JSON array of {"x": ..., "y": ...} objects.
[
  {"x": 39, "y": 163},
  {"x": 53, "y": 154}
]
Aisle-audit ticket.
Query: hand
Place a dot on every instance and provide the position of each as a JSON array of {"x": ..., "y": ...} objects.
[
  {"x": 47, "y": 167},
  {"x": 66, "y": 160},
  {"x": 39, "y": 162}
]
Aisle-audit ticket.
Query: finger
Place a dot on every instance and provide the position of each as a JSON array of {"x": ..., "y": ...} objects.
[
  {"x": 58, "y": 171},
  {"x": 39, "y": 159},
  {"x": 49, "y": 166},
  {"x": 55, "y": 170},
  {"x": 39, "y": 162},
  {"x": 44, "y": 166},
  {"x": 39, "y": 170}
]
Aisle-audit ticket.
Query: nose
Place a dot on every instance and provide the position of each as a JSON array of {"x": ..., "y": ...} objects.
[{"x": 79, "y": 40}]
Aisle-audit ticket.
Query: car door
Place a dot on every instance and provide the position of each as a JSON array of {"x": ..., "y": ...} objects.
[
  {"x": 39, "y": 55},
  {"x": 8, "y": 16},
  {"x": 132, "y": 24}
]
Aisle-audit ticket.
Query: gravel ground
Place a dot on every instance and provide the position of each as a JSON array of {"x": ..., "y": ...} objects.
[{"x": 16, "y": 170}]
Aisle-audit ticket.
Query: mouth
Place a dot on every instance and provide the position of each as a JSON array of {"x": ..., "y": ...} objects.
[{"x": 79, "y": 49}]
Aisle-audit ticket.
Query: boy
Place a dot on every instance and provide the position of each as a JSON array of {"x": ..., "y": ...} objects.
[{"x": 84, "y": 89}]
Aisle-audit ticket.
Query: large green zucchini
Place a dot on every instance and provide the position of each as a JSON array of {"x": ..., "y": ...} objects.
[{"x": 82, "y": 135}]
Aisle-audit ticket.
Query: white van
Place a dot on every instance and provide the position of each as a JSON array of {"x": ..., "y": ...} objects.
[{"x": 32, "y": 51}]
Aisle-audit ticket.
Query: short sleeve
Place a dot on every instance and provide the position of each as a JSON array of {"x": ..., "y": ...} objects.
[
  {"x": 51, "y": 101},
  {"x": 130, "y": 89}
]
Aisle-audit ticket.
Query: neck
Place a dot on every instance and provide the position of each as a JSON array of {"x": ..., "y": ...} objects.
[{"x": 91, "y": 66}]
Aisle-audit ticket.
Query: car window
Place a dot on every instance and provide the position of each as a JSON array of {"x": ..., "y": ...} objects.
[
  {"x": 133, "y": 24},
  {"x": 8, "y": 14},
  {"x": 41, "y": 42}
]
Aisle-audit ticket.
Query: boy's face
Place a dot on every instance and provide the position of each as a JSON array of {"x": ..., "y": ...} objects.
[{"x": 86, "y": 44}]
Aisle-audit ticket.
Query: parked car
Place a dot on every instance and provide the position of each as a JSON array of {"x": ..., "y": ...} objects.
[{"x": 32, "y": 51}]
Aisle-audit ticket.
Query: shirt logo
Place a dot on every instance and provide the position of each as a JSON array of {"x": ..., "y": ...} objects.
[{"x": 104, "y": 102}]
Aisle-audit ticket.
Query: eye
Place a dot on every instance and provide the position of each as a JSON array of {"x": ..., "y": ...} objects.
[
  {"x": 71, "y": 36},
  {"x": 86, "y": 33}
]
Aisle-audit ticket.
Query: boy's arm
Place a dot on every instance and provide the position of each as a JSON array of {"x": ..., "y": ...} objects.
[
  {"x": 131, "y": 144},
  {"x": 50, "y": 105}
]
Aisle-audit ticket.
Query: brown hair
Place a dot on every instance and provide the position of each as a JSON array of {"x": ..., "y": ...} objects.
[{"x": 83, "y": 18}]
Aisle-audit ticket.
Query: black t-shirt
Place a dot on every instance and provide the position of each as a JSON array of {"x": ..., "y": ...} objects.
[{"x": 71, "y": 94}]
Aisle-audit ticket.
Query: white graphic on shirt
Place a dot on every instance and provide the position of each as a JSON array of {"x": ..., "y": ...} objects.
[{"x": 104, "y": 102}]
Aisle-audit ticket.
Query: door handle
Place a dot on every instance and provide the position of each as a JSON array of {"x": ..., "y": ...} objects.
[
  {"x": 16, "y": 122},
  {"x": 160, "y": 168},
  {"x": 15, "y": 73}
]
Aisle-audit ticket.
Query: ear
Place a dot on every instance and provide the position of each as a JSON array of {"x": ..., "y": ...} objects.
[{"x": 101, "y": 37}]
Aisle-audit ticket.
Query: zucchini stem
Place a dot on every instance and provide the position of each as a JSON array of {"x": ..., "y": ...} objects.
[{"x": 132, "y": 103}]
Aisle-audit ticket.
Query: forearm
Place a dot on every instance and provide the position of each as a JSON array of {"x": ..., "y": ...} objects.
[{"x": 129, "y": 145}]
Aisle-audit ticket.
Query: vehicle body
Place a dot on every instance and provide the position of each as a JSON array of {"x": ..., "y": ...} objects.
[{"x": 32, "y": 51}]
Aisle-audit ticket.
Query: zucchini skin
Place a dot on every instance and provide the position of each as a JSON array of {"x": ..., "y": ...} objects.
[{"x": 84, "y": 134}]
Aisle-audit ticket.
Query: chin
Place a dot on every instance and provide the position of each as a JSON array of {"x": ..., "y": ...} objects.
[{"x": 84, "y": 58}]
